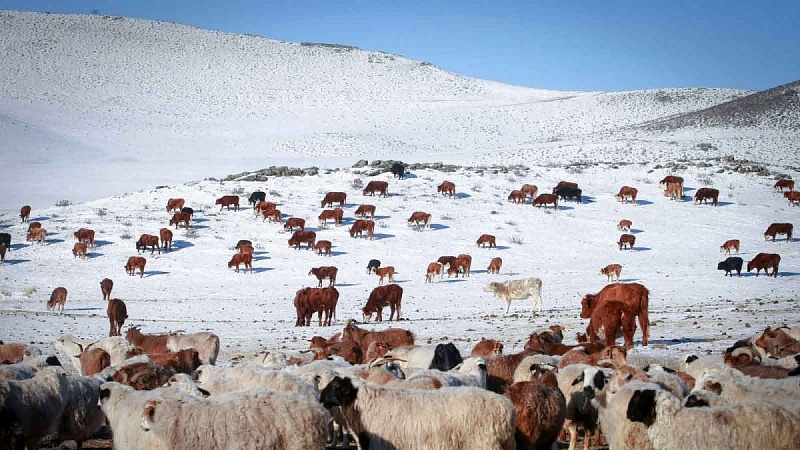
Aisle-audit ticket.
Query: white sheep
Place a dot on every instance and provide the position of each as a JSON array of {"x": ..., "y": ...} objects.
[
  {"x": 620, "y": 432},
  {"x": 523, "y": 370},
  {"x": 591, "y": 384},
  {"x": 27, "y": 368},
  {"x": 206, "y": 344},
  {"x": 752, "y": 425},
  {"x": 464, "y": 418},
  {"x": 252, "y": 376},
  {"x": 185, "y": 383},
  {"x": 253, "y": 419},
  {"x": 737, "y": 387},
  {"x": 117, "y": 347},
  {"x": 471, "y": 372},
  {"x": 81, "y": 417},
  {"x": 35, "y": 404},
  {"x": 702, "y": 397},
  {"x": 694, "y": 365},
  {"x": 71, "y": 347},
  {"x": 673, "y": 383}
]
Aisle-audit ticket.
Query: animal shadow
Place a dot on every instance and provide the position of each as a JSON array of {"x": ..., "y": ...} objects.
[
  {"x": 334, "y": 253},
  {"x": 565, "y": 207},
  {"x": 436, "y": 226},
  {"x": 102, "y": 243},
  {"x": 39, "y": 219},
  {"x": 454, "y": 280},
  {"x": 635, "y": 231},
  {"x": 93, "y": 255},
  {"x": 640, "y": 202},
  {"x": 199, "y": 220},
  {"x": 54, "y": 241},
  {"x": 724, "y": 203},
  {"x": 180, "y": 245},
  {"x": 4, "y": 226},
  {"x": 588, "y": 199},
  {"x": 642, "y": 249},
  {"x": 16, "y": 261},
  {"x": 461, "y": 195},
  {"x": 18, "y": 246},
  {"x": 151, "y": 273},
  {"x": 259, "y": 258},
  {"x": 88, "y": 308},
  {"x": 379, "y": 236},
  {"x": 345, "y": 284},
  {"x": 260, "y": 269},
  {"x": 200, "y": 227},
  {"x": 502, "y": 247}
]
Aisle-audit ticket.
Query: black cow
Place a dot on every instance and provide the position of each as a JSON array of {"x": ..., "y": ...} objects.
[
  {"x": 373, "y": 264},
  {"x": 5, "y": 238},
  {"x": 399, "y": 170},
  {"x": 731, "y": 264},
  {"x": 256, "y": 197},
  {"x": 445, "y": 357},
  {"x": 187, "y": 210},
  {"x": 565, "y": 193}
]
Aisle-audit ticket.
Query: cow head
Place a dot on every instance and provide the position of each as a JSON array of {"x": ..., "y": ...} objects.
[
  {"x": 587, "y": 305},
  {"x": 367, "y": 313}
]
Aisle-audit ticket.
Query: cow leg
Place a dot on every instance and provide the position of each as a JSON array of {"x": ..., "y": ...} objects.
[
  {"x": 508, "y": 305},
  {"x": 645, "y": 324}
]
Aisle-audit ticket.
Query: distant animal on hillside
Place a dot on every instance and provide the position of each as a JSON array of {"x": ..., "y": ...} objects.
[
  {"x": 32, "y": 225},
  {"x": 79, "y": 250},
  {"x": 486, "y": 239},
  {"x": 517, "y": 196},
  {"x": 784, "y": 183},
  {"x": 565, "y": 184},
  {"x": 793, "y": 197},
  {"x": 299, "y": 237},
  {"x": 37, "y": 235},
  {"x": 274, "y": 215},
  {"x": 3, "y": 249},
  {"x": 334, "y": 197},
  {"x": 390, "y": 295},
  {"x": 57, "y": 299},
  {"x": 148, "y": 240},
  {"x": 447, "y": 188},
  {"x": 381, "y": 187},
  {"x": 627, "y": 192},
  {"x": 418, "y": 217},
  {"x": 462, "y": 264},
  {"x": 227, "y": 201},
  {"x": 779, "y": 228},
  {"x": 177, "y": 218},
  {"x": 610, "y": 271},
  {"x": 166, "y": 238},
  {"x": 255, "y": 197},
  {"x": 730, "y": 244},
  {"x": 398, "y": 171},
  {"x": 731, "y": 264},
  {"x": 434, "y": 269},
  {"x": 765, "y": 261},
  {"x": 5, "y": 239},
  {"x": 624, "y": 225},
  {"x": 566, "y": 193},
  {"x": 187, "y": 210},
  {"x": 117, "y": 312},
  {"x": 364, "y": 210},
  {"x": 546, "y": 199},
  {"x": 106, "y": 286},
  {"x": 674, "y": 191},
  {"x": 383, "y": 272},
  {"x": 626, "y": 241},
  {"x": 85, "y": 235},
  {"x": 175, "y": 204},
  {"x": 530, "y": 189},
  {"x": 704, "y": 194},
  {"x": 323, "y": 246},
  {"x": 25, "y": 213},
  {"x": 635, "y": 295},
  {"x": 241, "y": 258},
  {"x": 494, "y": 265},
  {"x": 360, "y": 225},
  {"x": 336, "y": 214},
  {"x": 262, "y": 207},
  {"x": 372, "y": 265},
  {"x": 323, "y": 272},
  {"x": 518, "y": 290},
  {"x": 294, "y": 222},
  {"x": 135, "y": 262}
]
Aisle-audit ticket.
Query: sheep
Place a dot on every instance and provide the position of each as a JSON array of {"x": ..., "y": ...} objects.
[
  {"x": 667, "y": 379},
  {"x": 206, "y": 344},
  {"x": 440, "y": 356},
  {"x": 591, "y": 384},
  {"x": 620, "y": 432},
  {"x": 82, "y": 417},
  {"x": 694, "y": 365},
  {"x": 27, "y": 368},
  {"x": 93, "y": 361},
  {"x": 471, "y": 372},
  {"x": 475, "y": 419},
  {"x": 487, "y": 347},
  {"x": 501, "y": 370},
  {"x": 703, "y": 397},
  {"x": 613, "y": 354},
  {"x": 36, "y": 403},
  {"x": 250, "y": 376},
  {"x": 736, "y": 387},
  {"x": 142, "y": 375},
  {"x": 752, "y": 425},
  {"x": 540, "y": 411},
  {"x": 117, "y": 348},
  {"x": 17, "y": 352},
  {"x": 185, "y": 383},
  {"x": 524, "y": 370},
  {"x": 253, "y": 419},
  {"x": 271, "y": 360}
]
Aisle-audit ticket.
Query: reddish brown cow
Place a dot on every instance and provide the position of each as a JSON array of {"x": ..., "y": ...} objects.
[
  {"x": 624, "y": 225},
  {"x": 494, "y": 265},
  {"x": 79, "y": 250},
  {"x": 765, "y": 261},
  {"x": 784, "y": 183},
  {"x": 434, "y": 269},
  {"x": 32, "y": 225},
  {"x": 133, "y": 263},
  {"x": 634, "y": 295},
  {"x": 487, "y": 348},
  {"x": 299, "y": 237},
  {"x": 387, "y": 271},
  {"x": 793, "y": 197},
  {"x": 243, "y": 242},
  {"x": 447, "y": 260},
  {"x": 328, "y": 272},
  {"x": 57, "y": 299},
  {"x": 142, "y": 376},
  {"x": 486, "y": 239},
  {"x": 241, "y": 258},
  {"x": 246, "y": 249},
  {"x": 390, "y": 295},
  {"x": 175, "y": 204},
  {"x": 177, "y": 218},
  {"x": 626, "y": 241},
  {"x": 360, "y": 225},
  {"x": 336, "y": 214},
  {"x": 117, "y": 312},
  {"x": 227, "y": 201},
  {"x": 545, "y": 199},
  {"x": 671, "y": 179},
  {"x": 627, "y": 192},
  {"x": 364, "y": 210},
  {"x": 565, "y": 184},
  {"x": 37, "y": 235},
  {"x": 106, "y": 286},
  {"x": 530, "y": 189},
  {"x": 447, "y": 188},
  {"x": 151, "y": 344},
  {"x": 166, "y": 238},
  {"x": 274, "y": 215},
  {"x": 381, "y": 187},
  {"x": 730, "y": 244},
  {"x": 307, "y": 301},
  {"x": 610, "y": 271},
  {"x": 263, "y": 206},
  {"x": 779, "y": 228},
  {"x": 418, "y": 217},
  {"x": 85, "y": 234},
  {"x": 463, "y": 263},
  {"x": 183, "y": 361},
  {"x": 25, "y": 213},
  {"x": 613, "y": 316},
  {"x": 517, "y": 196},
  {"x": 323, "y": 246},
  {"x": 705, "y": 194},
  {"x": 674, "y": 191},
  {"x": 334, "y": 197},
  {"x": 294, "y": 222},
  {"x": 148, "y": 240},
  {"x": 394, "y": 337},
  {"x": 3, "y": 252}
]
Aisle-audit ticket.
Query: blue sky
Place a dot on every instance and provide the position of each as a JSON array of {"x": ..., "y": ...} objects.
[{"x": 560, "y": 44}]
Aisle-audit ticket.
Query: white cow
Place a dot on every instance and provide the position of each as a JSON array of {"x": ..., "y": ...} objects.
[{"x": 518, "y": 290}]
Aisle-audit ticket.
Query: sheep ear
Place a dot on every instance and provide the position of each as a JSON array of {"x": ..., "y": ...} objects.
[
  {"x": 642, "y": 407},
  {"x": 204, "y": 392},
  {"x": 579, "y": 379},
  {"x": 691, "y": 358},
  {"x": 148, "y": 413}
]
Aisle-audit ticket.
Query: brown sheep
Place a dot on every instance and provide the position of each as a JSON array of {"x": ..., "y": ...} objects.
[
  {"x": 142, "y": 376},
  {"x": 57, "y": 299},
  {"x": 117, "y": 312},
  {"x": 14, "y": 352},
  {"x": 540, "y": 410},
  {"x": 614, "y": 354},
  {"x": 183, "y": 361},
  {"x": 93, "y": 361},
  {"x": 487, "y": 348},
  {"x": 777, "y": 343},
  {"x": 613, "y": 316},
  {"x": 500, "y": 370}
]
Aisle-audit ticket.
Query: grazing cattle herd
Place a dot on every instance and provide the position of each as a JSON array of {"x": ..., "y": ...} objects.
[{"x": 525, "y": 399}]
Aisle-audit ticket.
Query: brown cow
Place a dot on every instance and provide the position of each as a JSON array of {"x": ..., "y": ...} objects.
[
  {"x": 307, "y": 301},
  {"x": 106, "y": 286},
  {"x": 705, "y": 194},
  {"x": 3, "y": 252},
  {"x": 674, "y": 191},
  {"x": 530, "y": 189},
  {"x": 166, "y": 238},
  {"x": 299, "y": 237},
  {"x": 148, "y": 240},
  {"x": 243, "y": 242},
  {"x": 434, "y": 269},
  {"x": 227, "y": 201},
  {"x": 242, "y": 258},
  {"x": 730, "y": 244},
  {"x": 494, "y": 265},
  {"x": 463, "y": 263},
  {"x": 381, "y": 187},
  {"x": 626, "y": 241},
  {"x": 57, "y": 299},
  {"x": 336, "y": 214},
  {"x": 263, "y": 206},
  {"x": 613, "y": 316},
  {"x": 186, "y": 360},
  {"x": 85, "y": 234},
  {"x": 79, "y": 249},
  {"x": 565, "y": 184},
  {"x": 274, "y": 215},
  {"x": 294, "y": 222},
  {"x": 25, "y": 213},
  {"x": 418, "y": 217},
  {"x": 517, "y": 196},
  {"x": 447, "y": 188},
  {"x": 545, "y": 199},
  {"x": 670, "y": 179},
  {"x": 360, "y": 225},
  {"x": 334, "y": 197},
  {"x": 133, "y": 263},
  {"x": 624, "y": 225},
  {"x": 390, "y": 295},
  {"x": 177, "y": 218},
  {"x": 627, "y": 192},
  {"x": 117, "y": 312},
  {"x": 32, "y": 225},
  {"x": 447, "y": 260},
  {"x": 37, "y": 235},
  {"x": 328, "y": 272},
  {"x": 323, "y": 246},
  {"x": 394, "y": 337},
  {"x": 765, "y": 261},
  {"x": 784, "y": 183},
  {"x": 793, "y": 197},
  {"x": 610, "y": 270},
  {"x": 246, "y": 249},
  {"x": 175, "y": 204},
  {"x": 634, "y": 295},
  {"x": 779, "y": 228},
  {"x": 486, "y": 239},
  {"x": 387, "y": 271},
  {"x": 363, "y": 210}
]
